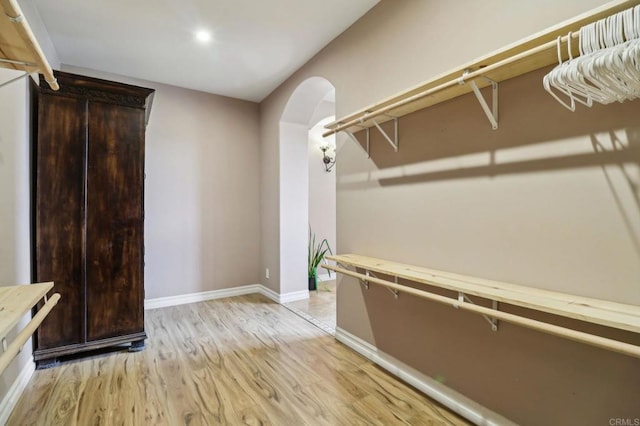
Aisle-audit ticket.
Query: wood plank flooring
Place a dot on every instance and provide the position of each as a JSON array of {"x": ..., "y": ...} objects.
[
  {"x": 320, "y": 307},
  {"x": 242, "y": 360}
]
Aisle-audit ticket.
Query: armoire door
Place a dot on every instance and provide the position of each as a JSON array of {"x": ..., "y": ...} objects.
[
  {"x": 59, "y": 215},
  {"x": 115, "y": 217}
]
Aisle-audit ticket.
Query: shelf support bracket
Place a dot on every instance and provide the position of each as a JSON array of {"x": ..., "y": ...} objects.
[
  {"x": 15, "y": 19},
  {"x": 491, "y": 113},
  {"x": 20, "y": 77},
  {"x": 365, "y": 283},
  {"x": 14, "y": 62},
  {"x": 357, "y": 142},
  {"x": 394, "y": 291},
  {"x": 393, "y": 143},
  {"x": 493, "y": 322}
]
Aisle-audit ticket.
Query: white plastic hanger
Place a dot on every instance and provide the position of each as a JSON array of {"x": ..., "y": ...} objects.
[
  {"x": 608, "y": 68},
  {"x": 549, "y": 80}
]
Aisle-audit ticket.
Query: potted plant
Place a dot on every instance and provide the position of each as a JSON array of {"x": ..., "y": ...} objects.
[{"x": 315, "y": 256}]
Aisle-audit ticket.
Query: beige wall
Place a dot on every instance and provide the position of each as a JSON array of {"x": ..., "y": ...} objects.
[
  {"x": 548, "y": 211},
  {"x": 202, "y": 226},
  {"x": 269, "y": 201}
]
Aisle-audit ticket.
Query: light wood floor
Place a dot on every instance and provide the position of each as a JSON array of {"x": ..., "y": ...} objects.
[
  {"x": 320, "y": 306},
  {"x": 242, "y": 360}
]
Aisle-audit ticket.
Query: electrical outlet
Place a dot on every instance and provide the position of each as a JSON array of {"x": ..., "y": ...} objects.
[{"x": 266, "y": 273}]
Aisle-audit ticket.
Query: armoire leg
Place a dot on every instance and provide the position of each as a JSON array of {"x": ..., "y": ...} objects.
[{"x": 136, "y": 346}]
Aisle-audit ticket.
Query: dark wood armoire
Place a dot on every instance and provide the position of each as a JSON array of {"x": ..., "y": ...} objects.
[{"x": 88, "y": 213}]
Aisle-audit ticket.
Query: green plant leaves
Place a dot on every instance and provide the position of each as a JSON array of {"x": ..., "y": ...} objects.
[{"x": 316, "y": 253}]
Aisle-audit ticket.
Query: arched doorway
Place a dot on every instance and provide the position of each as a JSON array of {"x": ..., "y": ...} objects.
[{"x": 304, "y": 109}]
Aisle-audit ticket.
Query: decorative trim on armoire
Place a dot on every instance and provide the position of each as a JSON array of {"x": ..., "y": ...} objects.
[{"x": 101, "y": 90}]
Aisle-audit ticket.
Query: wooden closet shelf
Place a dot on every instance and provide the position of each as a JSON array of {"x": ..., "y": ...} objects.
[
  {"x": 19, "y": 48},
  {"x": 529, "y": 54},
  {"x": 611, "y": 314},
  {"x": 15, "y": 302}
]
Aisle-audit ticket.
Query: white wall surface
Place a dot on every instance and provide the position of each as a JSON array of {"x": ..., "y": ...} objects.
[
  {"x": 322, "y": 188},
  {"x": 294, "y": 207},
  {"x": 15, "y": 252}
]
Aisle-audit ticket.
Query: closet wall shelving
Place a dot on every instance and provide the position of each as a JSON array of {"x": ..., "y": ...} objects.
[
  {"x": 532, "y": 53},
  {"x": 610, "y": 314},
  {"x": 19, "y": 48},
  {"x": 15, "y": 302}
]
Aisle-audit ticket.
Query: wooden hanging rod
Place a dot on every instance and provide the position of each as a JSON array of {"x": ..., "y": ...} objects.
[
  {"x": 15, "y": 302},
  {"x": 26, "y": 333},
  {"x": 17, "y": 38},
  {"x": 596, "y": 311},
  {"x": 567, "y": 333},
  {"x": 462, "y": 79},
  {"x": 532, "y": 53}
]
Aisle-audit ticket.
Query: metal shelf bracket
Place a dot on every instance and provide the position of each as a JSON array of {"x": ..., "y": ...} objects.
[
  {"x": 491, "y": 113},
  {"x": 365, "y": 283},
  {"x": 394, "y": 142},
  {"x": 14, "y": 62},
  {"x": 20, "y": 77},
  {"x": 353, "y": 138},
  {"x": 394, "y": 291},
  {"x": 494, "y": 305}
]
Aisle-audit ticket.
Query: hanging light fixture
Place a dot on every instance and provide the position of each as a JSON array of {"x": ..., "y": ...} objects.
[{"x": 328, "y": 160}]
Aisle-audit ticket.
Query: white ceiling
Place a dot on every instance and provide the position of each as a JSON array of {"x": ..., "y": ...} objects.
[{"x": 256, "y": 44}]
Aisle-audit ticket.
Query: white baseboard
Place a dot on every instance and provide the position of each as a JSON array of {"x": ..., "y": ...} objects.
[
  {"x": 293, "y": 296},
  {"x": 448, "y": 397},
  {"x": 162, "y": 302},
  {"x": 12, "y": 396},
  {"x": 267, "y": 292},
  {"x": 284, "y": 298}
]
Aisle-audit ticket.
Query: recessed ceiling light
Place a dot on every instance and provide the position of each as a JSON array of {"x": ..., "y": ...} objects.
[{"x": 203, "y": 36}]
